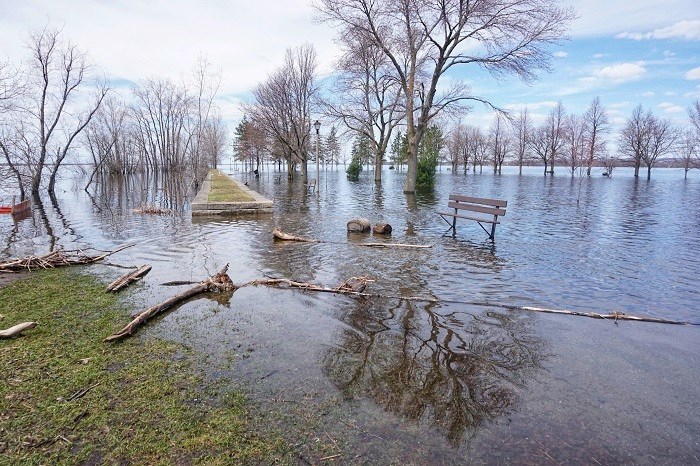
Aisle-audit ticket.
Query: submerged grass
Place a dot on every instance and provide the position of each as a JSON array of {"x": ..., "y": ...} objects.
[
  {"x": 223, "y": 189},
  {"x": 146, "y": 406}
]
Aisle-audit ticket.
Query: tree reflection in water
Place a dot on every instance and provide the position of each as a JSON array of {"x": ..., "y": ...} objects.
[{"x": 435, "y": 364}]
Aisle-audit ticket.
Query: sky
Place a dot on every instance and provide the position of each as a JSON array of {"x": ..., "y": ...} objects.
[{"x": 626, "y": 52}]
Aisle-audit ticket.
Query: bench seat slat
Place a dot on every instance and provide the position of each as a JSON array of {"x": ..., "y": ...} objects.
[
  {"x": 482, "y": 220},
  {"x": 476, "y": 208},
  {"x": 479, "y": 200}
]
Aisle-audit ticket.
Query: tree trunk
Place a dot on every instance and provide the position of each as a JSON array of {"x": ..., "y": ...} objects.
[
  {"x": 409, "y": 185},
  {"x": 648, "y": 172}
]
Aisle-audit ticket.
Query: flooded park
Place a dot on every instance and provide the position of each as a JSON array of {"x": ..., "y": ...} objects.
[{"x": 465, "y": 373}]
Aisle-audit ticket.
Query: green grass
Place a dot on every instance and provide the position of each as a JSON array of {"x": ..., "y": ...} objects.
[
  {"x": 223, "y": 189},
  {"x": 149, "y": 405}
]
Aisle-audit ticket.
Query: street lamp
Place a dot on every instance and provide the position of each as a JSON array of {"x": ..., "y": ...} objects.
[{"x": 317, "y": 125}]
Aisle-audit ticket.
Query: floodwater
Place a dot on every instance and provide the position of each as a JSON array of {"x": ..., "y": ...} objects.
[{"x": 397, "y": 381}]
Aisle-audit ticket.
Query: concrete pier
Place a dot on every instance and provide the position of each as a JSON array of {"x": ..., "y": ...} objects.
[{"x": 248, "y": 202}]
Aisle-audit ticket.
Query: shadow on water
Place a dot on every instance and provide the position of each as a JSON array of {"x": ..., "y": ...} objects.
[{"x": 438, "y": 366}]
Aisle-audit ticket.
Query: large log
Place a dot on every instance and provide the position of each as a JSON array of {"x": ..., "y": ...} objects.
[
  {"x": 359, "y": 225},
  {"x": 128, "y": 278},
  {"x": 382, "y": 229},
  {"x": 219, "y": 282},
  {"x": 16, "y": 329}
]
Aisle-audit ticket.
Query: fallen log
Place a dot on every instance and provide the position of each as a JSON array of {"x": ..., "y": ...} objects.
[
  {"x": 394, "y": 245},
  {"x": 58, "y": 258},
  {"x": 358, "y": 225},
  {"x": 127, "y": 279},
  {"x": 280, "y": 235},
  {"x": 16, "y": 329},
  {"x": 218, "y": 282},
  {"x": 382, "y": 229}
]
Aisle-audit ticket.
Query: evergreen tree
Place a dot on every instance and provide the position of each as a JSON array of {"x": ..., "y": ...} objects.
[{"x": 428, "y": 156}]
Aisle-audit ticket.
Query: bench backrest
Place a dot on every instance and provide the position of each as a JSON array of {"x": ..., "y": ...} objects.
[{"x": 478, "y": 204}]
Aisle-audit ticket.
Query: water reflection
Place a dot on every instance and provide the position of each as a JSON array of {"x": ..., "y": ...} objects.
[{"x": 434, "y": 364}]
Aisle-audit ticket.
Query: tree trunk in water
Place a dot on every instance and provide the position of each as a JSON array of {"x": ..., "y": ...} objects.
[
  {"x": 636, "y": 170},
  {"x": 409, "y": 185},
  {"x": 648, "y": 172},
  {"x": 378, "y": 167}
]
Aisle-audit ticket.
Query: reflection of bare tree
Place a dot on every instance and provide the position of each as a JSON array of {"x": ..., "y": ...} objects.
[{"x": 449, "y": 368}]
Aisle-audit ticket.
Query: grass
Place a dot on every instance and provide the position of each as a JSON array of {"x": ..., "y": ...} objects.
[
  {"x": 223, "y": 189},
  {"x": 147, "y": 404}
]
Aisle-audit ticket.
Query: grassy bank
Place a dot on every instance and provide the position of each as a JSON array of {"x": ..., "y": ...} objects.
[
  {"x": 223, "y": 189},
  {"x": 66, "y": 397}
]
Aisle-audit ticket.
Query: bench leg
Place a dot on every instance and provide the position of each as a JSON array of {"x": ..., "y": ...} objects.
[{"x": 493, "y": 228}]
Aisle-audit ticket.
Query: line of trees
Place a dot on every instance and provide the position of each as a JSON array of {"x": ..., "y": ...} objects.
[
  {"x": 576, "y": 142},
  {"x": 55, "y": 104}
]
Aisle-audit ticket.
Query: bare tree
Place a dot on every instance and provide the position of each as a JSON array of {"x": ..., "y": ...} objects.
[
  {"x": 689, "y": 151},
  {"x": 661, "y": 139},
  {"x": 282, "y": 106},
  {"x": 540, "y": 145},
  {"x": 522, "y": 131},
  {"x": 52, "y": 110},
  {"x": 424, "y": 40},
  {"x": 456, "y": 143},
  {"x": 554, "y": 127},
  {"x": 366, "y": 97},
  {"x": 162, "y": 111},
  {"x": 478, "y": 147},
  {"x": 574, "y": 142},
  {"x": 499, "y": 141},
  {"x": 596, "y": 126},
  {"x": 204, "y": 125},
  {"x": 633, "y": 136},
  {"x": 694, "y": 115}
]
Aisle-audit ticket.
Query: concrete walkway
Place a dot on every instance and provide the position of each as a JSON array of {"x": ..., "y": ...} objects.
[{"x": 201, "y": 205}]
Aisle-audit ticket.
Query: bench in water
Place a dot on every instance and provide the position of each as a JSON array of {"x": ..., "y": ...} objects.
[{"x": 468, "y": 207}]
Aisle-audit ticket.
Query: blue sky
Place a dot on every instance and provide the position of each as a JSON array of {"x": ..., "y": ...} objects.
[{"x": 627, "y": 52}]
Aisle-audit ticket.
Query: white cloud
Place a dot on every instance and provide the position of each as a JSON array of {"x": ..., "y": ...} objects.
[
  {"x": 693, "y": 75},
  {"x": 693, "y": 94},
  {"x": 686, "y": 29},
  {"x": 597, "y": 56},
  {"x": 669, "y": 107},
  {"x": 622, "y": 72},
  {"x": 560, "y": 54},
  {"x": 648, "y": 94},
  {"x": 606, "y": 18}
]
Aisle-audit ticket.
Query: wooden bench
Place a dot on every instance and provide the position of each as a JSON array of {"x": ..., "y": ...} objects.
[{"x": 478, "y": 205}]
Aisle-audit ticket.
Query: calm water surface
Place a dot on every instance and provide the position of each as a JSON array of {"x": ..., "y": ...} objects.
[{"x": 398, "y": 381}]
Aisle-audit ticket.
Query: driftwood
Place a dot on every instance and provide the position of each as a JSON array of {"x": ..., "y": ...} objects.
[
  {"x": 152, "y": 210},
  {"x": 358, "y": 290},
  {"x": 59, "y": 258},
  {"x": 16, "y": 329},
  {"x": 219, "y": 282},
  {"x": 127, "y": 279},
  {"x": 279, "y": 234},
  {"x": 358, "y": 225},
  {"x": 394, "y": 245}
]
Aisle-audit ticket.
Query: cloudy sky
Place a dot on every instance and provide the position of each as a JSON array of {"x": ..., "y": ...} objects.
[{"x": 627, "y": 52}]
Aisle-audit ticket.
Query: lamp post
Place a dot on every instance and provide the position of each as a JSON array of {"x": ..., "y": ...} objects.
[{"x": 317, "y": 125}]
